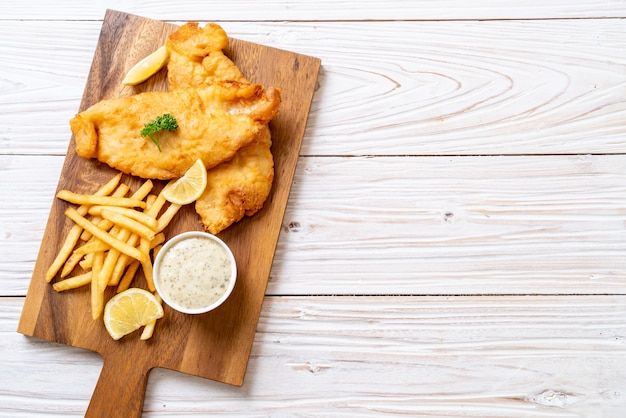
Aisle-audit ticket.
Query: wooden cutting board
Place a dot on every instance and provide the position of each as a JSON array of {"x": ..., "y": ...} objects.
[{"x": 216, "y": 345}]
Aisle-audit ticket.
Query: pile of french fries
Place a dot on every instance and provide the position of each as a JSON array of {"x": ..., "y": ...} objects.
[{"x": 112, "y": 237}]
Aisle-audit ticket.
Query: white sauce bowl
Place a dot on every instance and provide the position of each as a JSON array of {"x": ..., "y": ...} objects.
[{"x": 195, "y": 272}]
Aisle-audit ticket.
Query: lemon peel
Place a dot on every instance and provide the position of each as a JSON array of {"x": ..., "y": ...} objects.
[
  {"x": 189, "y": 187},
  {"x": 130, "y": 310},
  {"x": 147, "y": 67}
]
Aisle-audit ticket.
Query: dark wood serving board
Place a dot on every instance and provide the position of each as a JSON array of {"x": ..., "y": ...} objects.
[{"x": 216, "y": 345}]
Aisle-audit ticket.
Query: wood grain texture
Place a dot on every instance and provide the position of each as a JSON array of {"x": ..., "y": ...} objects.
[
  {"x": 215, "y": 345},
  {"x": 455, "y": 225},
  {"x": 514, "y": 357},
  {"x": 409, "y": 225},
  {"x": 322, "y": 10},
  {"x": 387, "y": 88}
]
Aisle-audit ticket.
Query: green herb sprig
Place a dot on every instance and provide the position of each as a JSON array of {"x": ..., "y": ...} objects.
[{"x": 152, "y": 129}]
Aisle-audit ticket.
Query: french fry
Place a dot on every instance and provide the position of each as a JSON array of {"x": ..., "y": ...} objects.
[
  {"x": 112, "y": 258},
  {"x": 76, "y": 231},
  {"x": 156, "y": 206},
  {"x": 146, "y": 265},
  {"x": 156, "y": 250},
  {"x": 123, "y": 261},
  {"x": 150, "y": 199},
  {"x": 121, "y": 246},
  {"x": 140, "y": 194},
  {"x": 105, "y": 225},
  {"x": 91, "y": 247},
  {"x": 135, "y": 215},
  {"x": 157, "y": 240},
  {"x": 143, "y": 190},
  {"x": 88, "y": 199},
  {"x": 107, "y": 267},
  {"x": 168, "y": 215},
  {"x": 128, "y": 223},
  {"x": 64, "y": 252},
  {"x": 105, "y": 236},
  {"x": 154, "y": 203},
  {"x": 148, "y": 330},
  {"x": 144, "y": 247},
  {"x": 73, "y": 282},
  {"x": 128, "y": 276},
  {"x": 119, "y": 192},
  {"x": 97, "y": 293},
  {"x": 87, "y": 262},
  {"x": 70, "y": 264},
  {"x": 108, "y": 188}
]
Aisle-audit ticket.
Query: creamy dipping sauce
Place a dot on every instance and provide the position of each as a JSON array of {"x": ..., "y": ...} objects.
[{"x": 194, "y": 272}]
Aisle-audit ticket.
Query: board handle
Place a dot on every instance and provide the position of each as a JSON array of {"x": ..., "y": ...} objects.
[{"x": 120, "y": 389}]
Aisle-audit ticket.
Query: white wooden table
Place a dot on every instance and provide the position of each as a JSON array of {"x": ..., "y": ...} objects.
[{"x": 455, "y": 239}]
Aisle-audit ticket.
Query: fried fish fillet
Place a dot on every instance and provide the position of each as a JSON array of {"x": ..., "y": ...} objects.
[
  {"x": 240, "y": 186},
  {"x": 196, "y": 57},
  {"x": 215, "y": 121}
]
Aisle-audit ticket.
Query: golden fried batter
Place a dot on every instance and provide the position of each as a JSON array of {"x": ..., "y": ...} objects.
[
  {"x": 196, "y": 57},
  {"x": 215, "y": 120},
  {"x": 238, "y": 187}
]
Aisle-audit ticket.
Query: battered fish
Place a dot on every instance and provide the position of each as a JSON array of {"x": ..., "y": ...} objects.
[
  {"x": 196, "y": 57},
  {"x": 215, "y": 121},
  {"x": 238, "y": 187}
]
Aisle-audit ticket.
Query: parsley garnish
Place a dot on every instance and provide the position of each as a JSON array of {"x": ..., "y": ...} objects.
[{"x": 154, "y": 127}]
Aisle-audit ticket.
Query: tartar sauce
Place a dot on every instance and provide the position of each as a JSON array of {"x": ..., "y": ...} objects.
[{"x": 195, "y": 272}]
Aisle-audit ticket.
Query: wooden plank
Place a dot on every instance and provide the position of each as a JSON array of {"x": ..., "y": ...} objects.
[
  {"x": 454, "y": 225},
  {"x": 407, "y": 225},
  {"x": 215, "y": 345},
  {"x": 370, "y": 356},
  {"x": 541, "y": 86},
  {"x": 321, "y": 10}
]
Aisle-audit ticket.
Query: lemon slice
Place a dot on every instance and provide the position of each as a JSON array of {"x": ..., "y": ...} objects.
[
  {"x": 130, "y": 310},
  {"x": 189, "y": 187},
  {"x": 146, "y": 67}
]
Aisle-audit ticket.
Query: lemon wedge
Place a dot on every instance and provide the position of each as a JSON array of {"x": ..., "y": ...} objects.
[
  {"x": 130, "y": 310},
  {"x": 189, "y": 187},
  {"x": 147, "y": 67}
]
